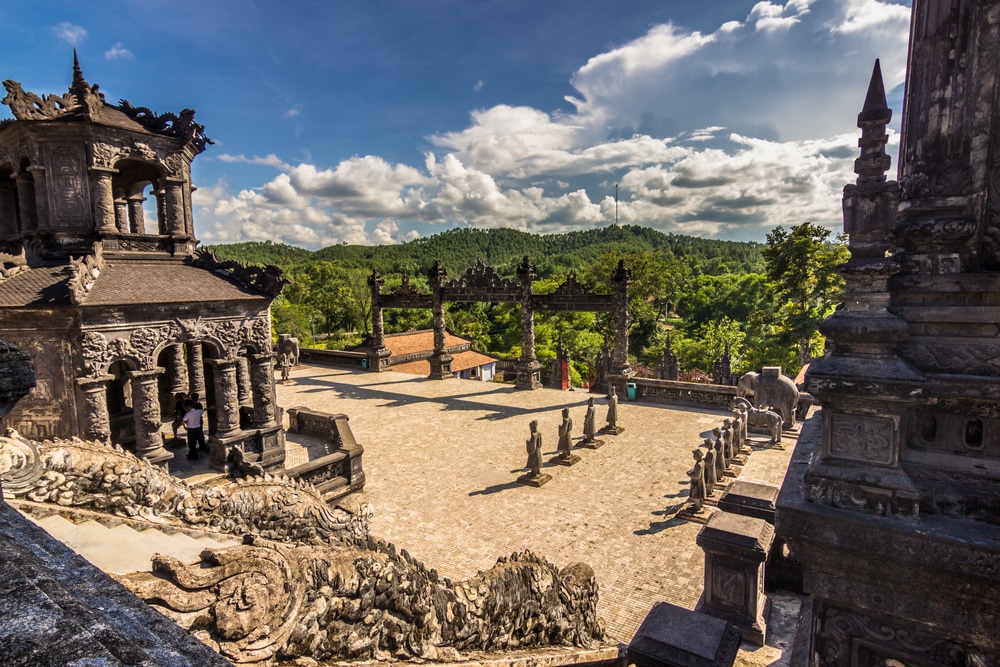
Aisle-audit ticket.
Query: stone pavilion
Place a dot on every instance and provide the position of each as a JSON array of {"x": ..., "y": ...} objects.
[{"x": 101, "y": 285}]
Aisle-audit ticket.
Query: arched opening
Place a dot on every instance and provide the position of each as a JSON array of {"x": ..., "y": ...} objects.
[
  {"x": 120, "y": 413},
  {"x": 974, "y": 434},
  {"x": 136, "y": 181},
  {"x": 10, "y": 214},
  {"x": 928, "y": 428}
]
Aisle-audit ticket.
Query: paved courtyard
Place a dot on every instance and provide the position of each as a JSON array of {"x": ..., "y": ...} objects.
[{"x": 442, "y": 459}]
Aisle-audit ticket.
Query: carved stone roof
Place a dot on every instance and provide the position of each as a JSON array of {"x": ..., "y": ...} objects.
[
  {"x": 123, "y": 282},
  {"x": 126, "y": 281},
  {"x": 84, "y": 101}
]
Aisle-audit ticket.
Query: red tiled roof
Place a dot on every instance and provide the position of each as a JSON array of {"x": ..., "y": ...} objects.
[
  {"x": 461, "y": 361},
  {"x": 413, "y": 342}
]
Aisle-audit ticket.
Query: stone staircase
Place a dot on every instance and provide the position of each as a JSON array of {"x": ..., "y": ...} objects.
[
  {"x": 60, "y": 610},
  {"x": 122, "y": 548}
]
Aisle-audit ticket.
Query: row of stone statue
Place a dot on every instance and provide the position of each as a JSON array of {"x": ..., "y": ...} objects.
[
  {"x": 724, "y": 449},
  {"x": 565, "y": 457}
]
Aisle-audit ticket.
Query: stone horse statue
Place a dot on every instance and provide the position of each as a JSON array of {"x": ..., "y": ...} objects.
[
  {"x": 771, "y": 390},
  {"x": 766, "y": 419}
]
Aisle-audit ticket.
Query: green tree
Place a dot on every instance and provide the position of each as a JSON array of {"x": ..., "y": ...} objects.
[{"x": 801, "y": 265}]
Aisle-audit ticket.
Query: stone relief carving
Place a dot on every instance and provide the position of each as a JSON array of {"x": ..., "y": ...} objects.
[
  {"x": 97, "y": 352},
  {"x": 264, "y": 600},
  {"x": 480, "y": 276},
  {"x": 269, "y": 280},
  {"x": 104, "y": 155},
  {"x": 966, "y": 359},
  {"x": 842, "y": 633},
  {"x": 94, "y": 476},
  {"x": 862, "y": 438},
  {"x": 83, "y": 272}
]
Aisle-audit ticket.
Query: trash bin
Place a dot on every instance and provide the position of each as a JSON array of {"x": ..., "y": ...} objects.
[
  {"x": 364, "y": 364},
  {"x": 630, "y": 390}
]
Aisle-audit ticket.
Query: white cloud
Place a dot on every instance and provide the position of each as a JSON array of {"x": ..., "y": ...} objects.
[
  {"x": 269, "y": 160},
  {"x": 292, "y": 113},
  {"x": 70, "y": 33},
  {"x": 726, "y": 133},
  {"x": 478, "y": 86},
  {"x": 118, "y": 51}
]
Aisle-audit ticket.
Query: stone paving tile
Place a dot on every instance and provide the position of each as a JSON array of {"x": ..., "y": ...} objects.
[{"x": 442, "y": 458}]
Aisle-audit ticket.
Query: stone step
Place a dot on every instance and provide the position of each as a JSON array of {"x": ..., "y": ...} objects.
[
  {"x": 59, "y": 609},
  {"x": 122, "y": 549}
]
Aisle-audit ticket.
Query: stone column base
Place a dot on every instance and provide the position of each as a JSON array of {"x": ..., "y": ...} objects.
[
  {"x": 528, "y": 375},
  {"x": 440, "y": 367}
]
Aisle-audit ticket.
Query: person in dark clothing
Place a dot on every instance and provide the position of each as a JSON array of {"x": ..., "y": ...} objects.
[
  {"x": 195, "y": 431},
  {"x": 179, "y": 412}
]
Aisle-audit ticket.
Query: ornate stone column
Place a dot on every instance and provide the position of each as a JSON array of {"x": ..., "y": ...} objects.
[
  {"x": 173, "y": 208},
  {"x": 26, "y": 202},
  {"x": 177, "y": 375},
  {"x": 121, "y": 214},
  {"x": 262, "y": 385},
  {"x": 40, "y": 200},
  {"x": 104, "y": 200},
  {"x": 136, "y": 217},
  {"x": 161, "y": 211},
  {"x": 378, "y": 355},
  {"x": 243, "y": 391},
  {"x": 8, "y": 215},
  {"x": 440, "y": 361},
  {"x": 196, "y": 370},
  {"x": 227, "y": 403},
  {"x": 94, "y": 408},
  {"x": 146, "y": 410},
  {"x": 620, "y": 281},
  {"x": 528, "y": 367}
]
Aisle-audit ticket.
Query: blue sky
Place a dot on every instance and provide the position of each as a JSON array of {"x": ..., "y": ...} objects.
[{"x": 378, "y": 122}]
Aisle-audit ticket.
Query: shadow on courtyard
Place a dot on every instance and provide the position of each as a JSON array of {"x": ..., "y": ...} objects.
[
  {"x": 670, "y": 512},
  {"x": 399, "y": 399}
]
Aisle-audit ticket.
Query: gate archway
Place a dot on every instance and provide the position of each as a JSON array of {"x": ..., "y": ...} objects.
[{"x": 482, "y": 284}]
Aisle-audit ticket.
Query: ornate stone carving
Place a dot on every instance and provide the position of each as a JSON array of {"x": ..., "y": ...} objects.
[
  {"x": 480, "y": 277},
  {"x": 93, "y": 476},
  {"x": 949, "y": 358},
  {"x": 180, "y": 125},
  {"x": 265, "y": 600},
  {"x": 269, "y": 280},
  {"x": 29, "y": 106},
  {"x": 104, "y": 155},
  {"x": 20, "y": 463},
  {"x": 861, "y": 438},
  {"x": 846, "y": 638},
  {"x": 94, "y": 353},
  {"x": 84, "y": 272}
]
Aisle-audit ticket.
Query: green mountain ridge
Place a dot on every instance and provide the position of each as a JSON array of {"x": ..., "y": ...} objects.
[{"x": 504, "y": 249}]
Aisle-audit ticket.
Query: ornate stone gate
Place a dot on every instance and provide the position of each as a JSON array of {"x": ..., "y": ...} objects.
[{"x": 482, "y": 284}]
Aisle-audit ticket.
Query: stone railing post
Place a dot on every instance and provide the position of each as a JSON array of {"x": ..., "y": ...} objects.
[
  {"x": 94, "y": 409},
  {"x": 146, "y": 410}
]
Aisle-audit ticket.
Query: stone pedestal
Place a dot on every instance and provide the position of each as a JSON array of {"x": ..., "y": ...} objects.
[
  {"x": 591, "y": 444},
  {"x": 735, "y": 550},
  {"x": 570, "y": 460},
  {"x": 750, "y": 499},
  {"x": 440, "y": 366},
  {"x": 528, "y": 480},
  {"x": 671, "y": 636}
]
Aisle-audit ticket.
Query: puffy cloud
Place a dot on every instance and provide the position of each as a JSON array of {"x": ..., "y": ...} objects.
[
  {"x": 726, "y": 133},
  {"x": 269, "y": 160},
  {"x": 70, "y": 33},
  {"x": 117, "y": 52}
]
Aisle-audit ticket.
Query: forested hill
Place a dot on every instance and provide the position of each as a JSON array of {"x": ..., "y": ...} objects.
[{"x": 504, "y": 248}]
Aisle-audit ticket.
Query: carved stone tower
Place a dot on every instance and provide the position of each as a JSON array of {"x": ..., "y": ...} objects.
[
  {"x": 892, "y": 500},
  {"x": 100, "y": 282}
]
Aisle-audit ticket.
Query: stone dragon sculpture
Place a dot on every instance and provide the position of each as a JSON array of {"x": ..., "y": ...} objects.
[
  {"x": 93, "y": 476},
  {"x": 309, "y": 581},
  {"x": 267, "y": 601}
]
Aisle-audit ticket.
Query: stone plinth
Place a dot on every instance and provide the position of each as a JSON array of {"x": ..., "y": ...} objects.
[
  {"x": 750, "y": 499},
  {"x": 674, "y": 636},
  {"x": 528, "y": 480},
  {"x": 570, "y": 460},
  {"x": 735, "y": 550}
]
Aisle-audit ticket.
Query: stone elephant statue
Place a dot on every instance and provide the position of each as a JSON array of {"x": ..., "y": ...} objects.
[
  {"x": 771, "y": 389},
  {"x": 288, "y": 348}
]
